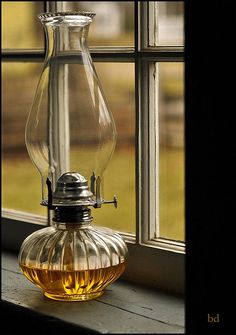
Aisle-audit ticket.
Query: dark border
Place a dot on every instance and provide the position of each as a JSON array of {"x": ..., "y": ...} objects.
[
  {"x": 18, "y": 319},
  {"x": 210, "y": 167}
]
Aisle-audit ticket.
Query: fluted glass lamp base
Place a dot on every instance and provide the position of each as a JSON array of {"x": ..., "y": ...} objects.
[
  {"x": 73, "y": 297},
  {"x": 73, "y": 261}
]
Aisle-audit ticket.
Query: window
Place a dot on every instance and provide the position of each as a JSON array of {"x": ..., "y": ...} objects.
[{"x": 147, "y": 48}]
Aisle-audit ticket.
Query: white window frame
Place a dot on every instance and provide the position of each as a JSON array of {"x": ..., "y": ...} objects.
[{"x": 155, "y": 262}]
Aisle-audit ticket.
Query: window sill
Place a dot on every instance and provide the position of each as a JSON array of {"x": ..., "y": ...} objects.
[{"x": 124, "y": 308}]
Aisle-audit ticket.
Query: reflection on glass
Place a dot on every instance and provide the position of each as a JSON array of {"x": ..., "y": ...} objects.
[
  {"x": 171, "y": 151},
  {"x": 19, "y": 20},
  {"x": 169, "y": 16},
  {"x": 113, "y": 23},
  {"x": 18, "y": 171}
]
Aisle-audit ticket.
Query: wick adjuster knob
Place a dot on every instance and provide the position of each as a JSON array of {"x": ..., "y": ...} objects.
[
  {"x": 99, "y": 199},
  {"x": 114, "y": 201}
]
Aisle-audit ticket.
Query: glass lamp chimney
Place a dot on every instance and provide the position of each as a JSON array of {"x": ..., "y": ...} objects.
[{"x": 70, "y": 126}]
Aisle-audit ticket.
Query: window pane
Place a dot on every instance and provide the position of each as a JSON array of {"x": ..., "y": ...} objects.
[
  {"x": 21, "y": 183},
  {"x": 169, "y": 25},
  {"x": 171, "y": 152},
  {"x": 21, "y": 27},
  {"x": 119, "y": 177},
  {"x": 113, "y": 23}
]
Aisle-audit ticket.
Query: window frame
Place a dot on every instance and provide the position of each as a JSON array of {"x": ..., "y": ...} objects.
[{"x": 155, "y": 262}]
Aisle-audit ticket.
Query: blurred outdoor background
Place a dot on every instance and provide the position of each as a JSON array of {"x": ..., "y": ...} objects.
[{"x": 112, "y": 25}]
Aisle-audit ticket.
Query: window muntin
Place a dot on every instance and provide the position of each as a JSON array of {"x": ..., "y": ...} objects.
[
  {"x": 158, "y": 86},
  {"x": 20, "y": 26}
]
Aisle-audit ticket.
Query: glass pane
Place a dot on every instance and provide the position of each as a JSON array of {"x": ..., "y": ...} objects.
[
  {"x": 113, "y": 23},
  {"x": 21, "y": 183},
  {"x": 169, "y": 23},
  {"x": 119, "y": 177},
  {"x": 171, "y": 152},
  {"x": 21, "y": 27}
]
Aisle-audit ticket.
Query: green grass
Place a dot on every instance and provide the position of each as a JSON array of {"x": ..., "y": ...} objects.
[
  {"x": 21, "y": 190},
  {"x": 171, "y": 185}
]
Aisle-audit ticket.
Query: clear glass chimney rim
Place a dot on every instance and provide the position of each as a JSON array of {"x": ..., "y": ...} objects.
[{"x": 77, "y": 18}]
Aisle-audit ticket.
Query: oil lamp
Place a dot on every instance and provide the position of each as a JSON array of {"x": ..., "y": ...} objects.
[{"x": 70, "y": 137}]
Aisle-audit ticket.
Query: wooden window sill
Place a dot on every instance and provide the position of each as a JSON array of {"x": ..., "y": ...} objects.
[{"x": 124, "y": 307}]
